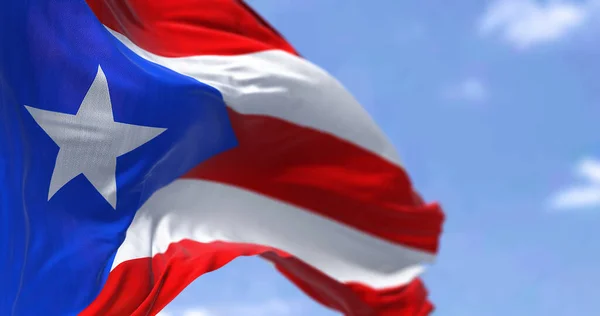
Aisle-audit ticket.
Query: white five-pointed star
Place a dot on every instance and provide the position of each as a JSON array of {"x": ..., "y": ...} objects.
[{"x": 90, "y": 141}]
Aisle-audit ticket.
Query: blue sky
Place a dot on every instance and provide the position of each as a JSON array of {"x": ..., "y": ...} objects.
[{"x": 494, "y": 108}]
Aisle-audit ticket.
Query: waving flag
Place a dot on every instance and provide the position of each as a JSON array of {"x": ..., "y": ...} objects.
[{"x": 144, "y": 143}]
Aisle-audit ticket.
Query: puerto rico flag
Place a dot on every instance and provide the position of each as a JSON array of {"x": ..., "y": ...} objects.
[{"x": 144, "y": 143}]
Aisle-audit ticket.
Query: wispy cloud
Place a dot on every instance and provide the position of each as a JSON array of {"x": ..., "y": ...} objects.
[
  {"x": 271, "y": 307},
  {"x": 525, "y": 23},
  {"x": 265, "y": 308},
  {"x": 581, "y": 195},
  {"x": 470, "y": 89},
  {"x": 197, "y": 312}
]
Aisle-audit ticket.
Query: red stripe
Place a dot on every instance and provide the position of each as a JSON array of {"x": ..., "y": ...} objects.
[
  {"x": 180, "y": 28},
  {"x": 145, "y": 286},
  {"x": 326, "y": 175}
]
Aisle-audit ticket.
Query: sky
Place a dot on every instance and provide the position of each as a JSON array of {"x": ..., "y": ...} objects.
[{"x": 493, "y": 107}]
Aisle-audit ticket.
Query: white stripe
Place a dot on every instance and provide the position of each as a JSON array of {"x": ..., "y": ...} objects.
[
  {"x": 208, "y": 211},
  {"x": 281, "y": 85}
]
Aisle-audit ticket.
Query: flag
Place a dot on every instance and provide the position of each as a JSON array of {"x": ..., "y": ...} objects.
[{"x": 144, "y": 143}]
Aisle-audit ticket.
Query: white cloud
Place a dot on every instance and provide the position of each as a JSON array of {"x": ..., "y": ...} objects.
[
  {"x": 470, "y": 89},
  {"x": 265, "y": 308},
  {"x": 271, "y": 307},
  {"x": 194, "y": 311},
  {"x": 197, "y": 312},
  {"x": 589, "y": 168},
  {"x": 582, "y": 195},
  {"x": 525, "y": 23}
]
